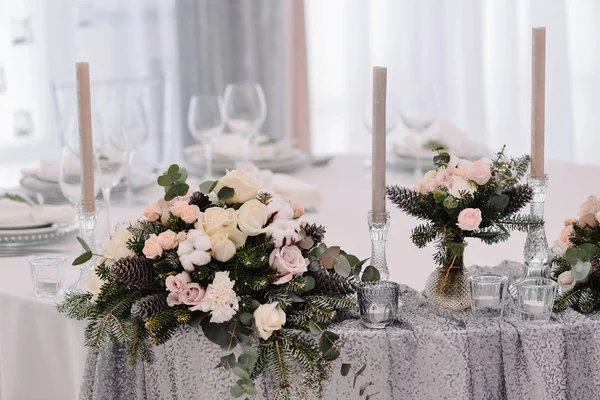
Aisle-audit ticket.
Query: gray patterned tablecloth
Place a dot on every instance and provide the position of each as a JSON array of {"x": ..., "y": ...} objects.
[{"x": 429, "y": 354}]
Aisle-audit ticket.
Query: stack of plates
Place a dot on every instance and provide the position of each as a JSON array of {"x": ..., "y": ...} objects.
[
  {"x": 406, "y": 159},
  {"x": 31, "y": 234}
]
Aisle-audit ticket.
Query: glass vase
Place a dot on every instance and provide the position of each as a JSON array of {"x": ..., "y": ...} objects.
[{"x": 448, "y": 285}]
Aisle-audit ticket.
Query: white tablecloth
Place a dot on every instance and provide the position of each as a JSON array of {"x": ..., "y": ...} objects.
[{"x": 42, "y": 353}]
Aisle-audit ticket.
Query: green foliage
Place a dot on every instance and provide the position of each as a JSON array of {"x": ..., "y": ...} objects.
[
  {"x": 77, "y": 306},
  {"x": 371, "y": 274},
  {"x": 424, "y": 234},
  {"x": 583, "y": 299},
  {"x": 173, "y": 181},
  {"x": 264, "y": 197}
]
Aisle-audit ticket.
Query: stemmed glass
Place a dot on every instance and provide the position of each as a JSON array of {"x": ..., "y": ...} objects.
[
  {"x": 126, "y": 129},
  {"x": 69, "y": 177},
  {"x": 418, "y": 112},
  {"x": 113, "y": 164},
  {"x": 205, "y": 122},
  {"x": 245, "y": 111}
]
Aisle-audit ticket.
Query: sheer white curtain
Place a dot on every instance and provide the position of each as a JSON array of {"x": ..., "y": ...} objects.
[{"x": 478, "y": 55}]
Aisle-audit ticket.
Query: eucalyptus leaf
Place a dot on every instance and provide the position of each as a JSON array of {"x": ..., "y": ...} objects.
[
  {"x": 581, "y": 270},
  {"x": 309, "y": 283},
  {"x": 173, "y": 169},
  {"x": 319, "y": 250},
  {"x": 183, "y": 175},
  {"x": 358, "y": 373},
  {"x": 175, "y": 177},
  {"x": 342, "y": 266},
  {"x": 314, "y": 266},
  {"x": 245, "y": 359},
  {"x": 83, "y": 258},
  {"x": 352, "y": 259},
  {"x": 241, "y": 371},
  {"x": 251, "y": 351},
  {"x": 225, "y": 193},
  {"x": 294, "y": 298},
  {"x": 324, "y": 343},
  {"x": 231, "y": 360},
  {"x": 330, "y": 257},
  {"x": 345, "y": 369},
  {"x": 83, "y": 244},
  {"x": 331, "y": 354},
  {"x": 236, "y": 391},
  {"x": 371, "y": 274},
  {"x": 179, "y": 189},
  {"x": 249, "y": 389},
  {"x": 225, "y": 353},
  {"x": 164, "y": 180},
  {"x": 572, "y": 255},
  {"x": 500, "y": 201},
  {"x": 216, "y": 333},
  {"x": 205, "y": 187},
  {"x": 314, "y": 328},
  {"x": 246, "y": 318},
  {"x": 306, "y": 243},
  {"x": 591, "y": 250},
  {"x": 358, "y": 267}
]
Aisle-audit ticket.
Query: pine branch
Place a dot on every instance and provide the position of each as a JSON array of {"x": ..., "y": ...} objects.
[
  {"x": 580, "y": 299},
  {"x": 519, "y": 196},
  {"x": 585, "y": 235},
  {"x": 77, "y": 306},
  {"x": 560, "y": 265},
  {"x": 520, "y": 223},
  {"x": 138, "y": 349},
  {"x": 411, "y": 202},
  {"x": 424, "y": 234}
]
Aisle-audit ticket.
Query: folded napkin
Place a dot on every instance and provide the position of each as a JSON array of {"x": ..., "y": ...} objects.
[
  {"x": 48, "y": 170},
  {"x": 231, "y": 146},
  {"x": 444, "y": 134},
  {"x": 288, "y": 187},
  {"x": 19, "y": 213}
]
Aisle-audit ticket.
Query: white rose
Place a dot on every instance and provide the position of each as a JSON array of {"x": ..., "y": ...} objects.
[
  {"x": 252, "y": 216},
  {"x": 460, "y": 185},
  {"x": 223, "y": 249},
  {"x": 94, "y": 284},
  {"x": 219, "y": 220},
  {"x": 268, "y": 318},
  {"x": 167, "y": 240},
  {"x": 116, "y": 247},
  {"x": 245, "y": 185}
]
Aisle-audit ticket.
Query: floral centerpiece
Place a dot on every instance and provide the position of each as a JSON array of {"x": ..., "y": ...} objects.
[
  {"x": 576, "y": 263},
  {"x": 236, "y": 261},
  {"x": 464, "y": 199}
]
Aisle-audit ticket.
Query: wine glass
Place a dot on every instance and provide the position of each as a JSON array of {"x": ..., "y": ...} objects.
[
  {"x": 205, "y": 122},
  {"x": 126, "y": 128},
  {"x": 69, "y": 177},
  {"x": 418, "y": 111},
  {"x": 390, "y": 123},
  {"x": 245, "y": 111},
  {"x": 113, "y": 164}
]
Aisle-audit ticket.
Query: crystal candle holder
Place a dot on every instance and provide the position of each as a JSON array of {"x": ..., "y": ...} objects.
[
  {"x": 379, "y": 223},
  {"x": 537, "y": 252},
  {"x": 87, "y": 227},
  {"x": 378, "y": 303},
  {"x": 535, "y": 298},
  {"x": 488, "y": 292}
]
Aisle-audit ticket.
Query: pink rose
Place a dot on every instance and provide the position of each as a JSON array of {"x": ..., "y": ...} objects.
[
  {"x": 469, "y": 219},
  {"x": 444, "y": 178},
  {"x": 298, "y": 210},
  {"x": 167, "y": 240},
  {"x": 178, "y": 208},
  {"x": 191, "y": 294},
  {"x": 462, "y": 168},
  {"x": 175, "y": 283},
  {"x": 190, "y": 214},
  {"x": 152, "y": 212},
  {"x": 428, "y": 183},
  {"x": 479, "y": 172},
  {"x": 588, "y": 210},
  {"x": 152, "y": 247},
  {"x": 565, "y": 234},
  {"x": 173, "y": 299},
  {"x": 181, "y": 236},
  {"x": 570, "y": 221},
  {"x": 565, "y": 281},
  {"x": 288, "y": 261},
  {"x": 165, "y": 206}
]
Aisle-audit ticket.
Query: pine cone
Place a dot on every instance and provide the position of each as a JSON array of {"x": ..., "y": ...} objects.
[
  {"x": 149, "y": 305},
  {"x": 201, "y": 200},
  {"x": 315, "y": 232},
  {"x": 334, "y": 282},
  {"x": 134, "y": 271},
  {"x": 596, "y": 264}
]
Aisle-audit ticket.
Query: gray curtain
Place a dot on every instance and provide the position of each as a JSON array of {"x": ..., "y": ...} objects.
[{"x": 224, "y": 41}]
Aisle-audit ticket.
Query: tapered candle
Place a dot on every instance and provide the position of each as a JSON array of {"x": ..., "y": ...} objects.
[
  {"x": 538, "y": 100},
  {"x": 378, "y": 150},
  {"x": 86, "y": 151}
]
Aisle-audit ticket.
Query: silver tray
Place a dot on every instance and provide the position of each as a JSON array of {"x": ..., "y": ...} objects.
[{"x": 32, "y": 237}]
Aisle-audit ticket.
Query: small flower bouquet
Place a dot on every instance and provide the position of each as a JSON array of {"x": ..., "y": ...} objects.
[
  {"x": 577, "y": 260},
  {"x": 461, "y": 199},
  {"x": 236, "y": 261}
]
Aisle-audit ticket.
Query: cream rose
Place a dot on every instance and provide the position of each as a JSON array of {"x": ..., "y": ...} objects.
[
  {"x": 268, "y": 318},
  {"x": 565, "y": 234},
  {"x": 223, "y": 249},
  {"x": 460, "y": 186},
  {"x": 462, "y": 168},
  {"x": 245, "y": 185},
  {"x": 588, "y": 210},
  {"x": 152, "y": 212},
  {"x": 479, "y": 172},
  {"x": 94, "y": 284},
  {"x": 152, "y": 248},
  {"x": 190, "y": 214},
  {"x": 298, "y": 210},
  {"x": 288, "y": 261},
  {"x": 179, "y": 207},
  {"x": 219, "y": 220},
  {"x": 566, "y": 281},
  {"x": 252, "y": 216},
  {"x": 167, "y": 240},
  {"x": 469, "y": 219},
  {"x": 116, "y": 247}
]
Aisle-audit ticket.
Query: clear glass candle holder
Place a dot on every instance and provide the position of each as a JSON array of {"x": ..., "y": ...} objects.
[
  {"x": 378, "y": 303},
  {"x": 47, "y": 275},
  {"x": 535, "y": 298},
  {"x": 488, "y": 293}
]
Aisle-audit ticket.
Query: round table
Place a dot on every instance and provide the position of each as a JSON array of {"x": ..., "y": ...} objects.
[{"x": 42, "y": 354}]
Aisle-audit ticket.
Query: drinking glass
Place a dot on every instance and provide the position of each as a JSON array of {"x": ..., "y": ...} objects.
[
  {"x": 126, "y": 128},
  {"x": 69, "y": 177},
  {"x": 245, "y": 111},
  {"x": 535, "y": 298},
  {"x": 418, "y": 111},
  {"x": 378, "y": 303},
  {"x": 47, "y": 275},
  {"x": 205, "y": 122},
  {"x": 488, "y": 293}
]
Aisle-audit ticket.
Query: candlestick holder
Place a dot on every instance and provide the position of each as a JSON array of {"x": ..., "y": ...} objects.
[
  {"x": 87, "y": 230},
  {"x": 537, "y": 251},
  {"x": 379, "y": 223}
]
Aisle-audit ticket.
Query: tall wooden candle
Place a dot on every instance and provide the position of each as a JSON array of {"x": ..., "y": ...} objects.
[
  {"x": 378, "y": 150},
  {"x": 86, "y": 151},
  {"x": 538, "y": 100}
]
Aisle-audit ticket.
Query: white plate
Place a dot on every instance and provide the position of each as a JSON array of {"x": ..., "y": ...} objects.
[
  {"x": 35, "y": 236},
  {"x": 401, "y": 158},
  {"x": 283, "y": 163},
  {"x": 23, "y": 225}
]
